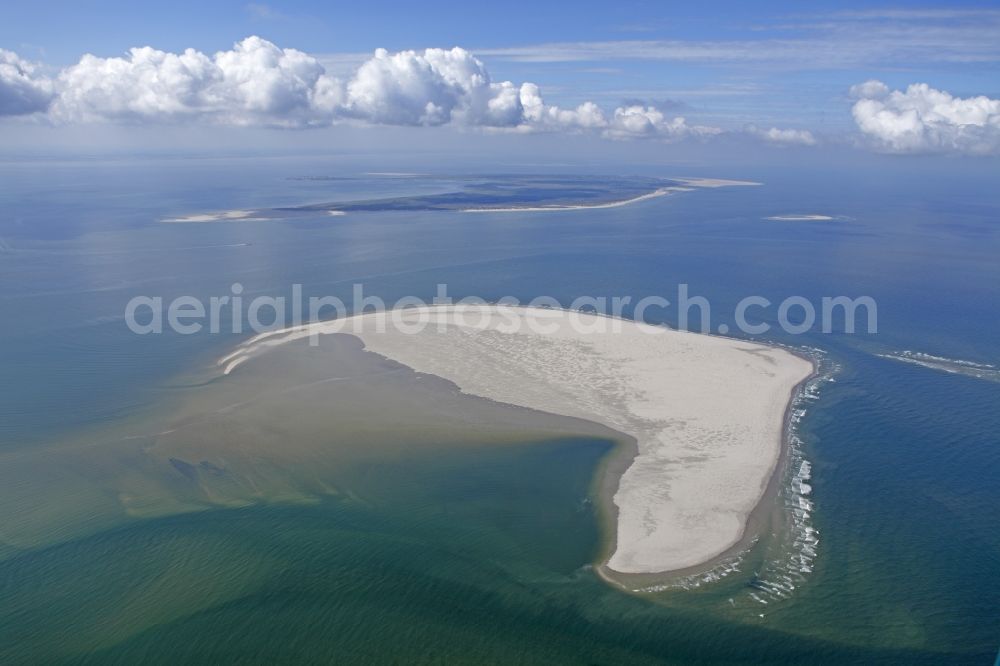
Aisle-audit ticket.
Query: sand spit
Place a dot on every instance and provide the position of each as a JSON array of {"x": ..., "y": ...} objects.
[
  {"x": 663, "y": 191},
  {"x": 707, "y": 412},
  {"x": 799, "y": 218},
  {"x": 222, "y": 216},
  {"x": 716, "y": 182},
  {"x": 954, "y": 366}
]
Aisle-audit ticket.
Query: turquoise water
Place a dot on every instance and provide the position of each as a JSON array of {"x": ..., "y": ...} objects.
[
  {"x": 905, "y": 459},
  {"x": 466, "y": 571}
]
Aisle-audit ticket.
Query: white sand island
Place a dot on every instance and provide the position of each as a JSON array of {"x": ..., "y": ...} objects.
[
  {"x": 221, "y": 216},
  {"x": 707, "y": 412},
  {"x": 800, "y": 218}
]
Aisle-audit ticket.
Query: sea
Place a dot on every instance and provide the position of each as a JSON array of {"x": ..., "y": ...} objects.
[{"x": 383, "y": 522}]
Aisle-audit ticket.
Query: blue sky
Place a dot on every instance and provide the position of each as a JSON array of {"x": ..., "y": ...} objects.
[{"x": 731, "y": 67}]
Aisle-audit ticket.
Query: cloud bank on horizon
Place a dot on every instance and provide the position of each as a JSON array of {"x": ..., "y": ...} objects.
[{"x": 257, "y": 83}]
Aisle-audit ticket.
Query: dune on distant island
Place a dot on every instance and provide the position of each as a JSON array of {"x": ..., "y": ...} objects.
[{"x": 707, "y": 413}]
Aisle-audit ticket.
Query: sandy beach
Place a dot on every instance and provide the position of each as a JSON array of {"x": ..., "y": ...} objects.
[
  {"x": 222, "y": 216},
  {"x": 687, "y": 185},
  {"x": 706, "y": 412},
  {"x": 663, "y": 191},
  {"x": 717, "y": 182},
  {"x": 800, "y": 218}
]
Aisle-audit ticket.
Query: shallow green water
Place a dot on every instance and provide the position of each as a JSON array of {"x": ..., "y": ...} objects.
[{"x": 470, "y": 556}]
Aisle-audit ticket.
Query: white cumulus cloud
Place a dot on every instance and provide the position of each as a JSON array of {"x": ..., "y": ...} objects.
[
  {"x": 647, "y": 121},
  {"x": 254, "y": 83},
  {"x": 870, "y": 89},
  {"x": 432, "y": 87},
  {"x": 23, "y": 89},
  {"x": 259, "y": 83},
  {"x": 922, "y": 119},
  {"x": 539, "y": 116},
  {"x": 784, "y": 137}
]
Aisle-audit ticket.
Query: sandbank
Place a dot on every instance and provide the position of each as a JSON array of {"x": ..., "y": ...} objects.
[
  {"x": 221, "y": 216},
  {"x": 799, "y": 218},
  {"x": 716, "y": 182},
  {"x": 706, "y": 413}
]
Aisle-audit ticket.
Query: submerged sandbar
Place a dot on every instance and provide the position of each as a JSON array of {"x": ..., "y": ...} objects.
[{"x": 706, "y": 412}]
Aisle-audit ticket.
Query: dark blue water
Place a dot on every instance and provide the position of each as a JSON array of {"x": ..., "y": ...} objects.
[{"x": 906, "y": 459}]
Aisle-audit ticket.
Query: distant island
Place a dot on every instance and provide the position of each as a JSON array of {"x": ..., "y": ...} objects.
[{"x": 491, "y": 194}]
